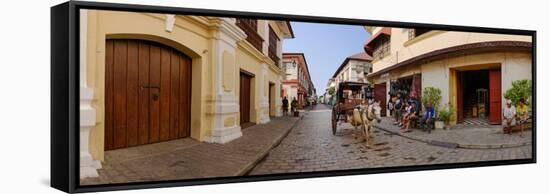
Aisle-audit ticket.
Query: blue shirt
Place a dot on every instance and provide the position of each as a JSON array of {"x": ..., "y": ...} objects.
[{"x": 430, "y": 112}]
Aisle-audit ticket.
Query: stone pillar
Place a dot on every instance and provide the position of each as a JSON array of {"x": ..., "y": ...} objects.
[
  {"x": 88, "y": 166},
  {"x": 278, "y": 99},
  {"x": 262, "y": 87},
  {"x": 224, "y": 102}
]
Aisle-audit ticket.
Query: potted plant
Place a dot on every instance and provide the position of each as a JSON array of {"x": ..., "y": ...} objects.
[
  {"x": 433, "y": 95},
  {"x": 520, "y": 89},
  {"x": 444, "y": 117}
]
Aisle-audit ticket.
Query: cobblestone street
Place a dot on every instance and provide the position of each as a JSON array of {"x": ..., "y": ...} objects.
[
  {"x": 189, "y": 159},
  {"x": 310, "y": 146}
]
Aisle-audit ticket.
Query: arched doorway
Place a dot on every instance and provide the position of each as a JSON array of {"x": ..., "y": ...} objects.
[{"x": 147, "y": 93}]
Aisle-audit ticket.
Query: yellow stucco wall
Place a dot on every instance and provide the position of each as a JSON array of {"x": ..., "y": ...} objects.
[
  {"x": 192, "y": 36},
  {"x": 441, "y": 73},
  {"x": 402, "y": 48},
  {"x": 249, "y": 60}
]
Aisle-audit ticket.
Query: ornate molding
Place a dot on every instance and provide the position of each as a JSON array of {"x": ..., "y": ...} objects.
[{"x": 169, "y": 22}]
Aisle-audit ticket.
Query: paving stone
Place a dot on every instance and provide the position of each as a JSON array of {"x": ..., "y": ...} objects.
[
  {"x": 312, "y": 139},
  {"x": 187, "y": 158},
  {"x": 467, "y": 136}
]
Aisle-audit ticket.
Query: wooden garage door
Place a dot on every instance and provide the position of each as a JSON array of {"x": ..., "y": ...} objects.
[
  {"x": 147, "y": 93},
  {"x": 380, "y": 95}
]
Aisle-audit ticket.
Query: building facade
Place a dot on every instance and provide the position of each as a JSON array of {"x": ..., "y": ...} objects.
[
  {"x": 328, "y": 96},
  {"x": 297, "y": 80},
  {"x": 473, "y": 70},
  {"x": 171, "y": 76},
  {"x": 354, "y": 68}
]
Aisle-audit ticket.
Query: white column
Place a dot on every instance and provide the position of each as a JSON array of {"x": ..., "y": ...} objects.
[
  {"x": 88, "y": 166},
  {"x": 278, "y": 99},
  {"x": 225, "y": 103},
  {"x": 262, "y": 87}
]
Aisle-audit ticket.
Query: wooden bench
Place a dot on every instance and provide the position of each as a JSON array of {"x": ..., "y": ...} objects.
[
  {"x": 428, "y": 127},
  {"x": 528, "y": 125}
]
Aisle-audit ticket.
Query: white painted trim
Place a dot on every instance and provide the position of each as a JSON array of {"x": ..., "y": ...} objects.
[
  {"x": 169, "y": 22},
  {"x": 262, "y": 86},
  {"x": 224, "y": 135},
  {"x": 88, "y": 166},
  {"x": 224, "y": 104}
]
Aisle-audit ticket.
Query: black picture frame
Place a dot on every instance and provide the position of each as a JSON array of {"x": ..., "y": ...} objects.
[{"x": 65, "y": 95}]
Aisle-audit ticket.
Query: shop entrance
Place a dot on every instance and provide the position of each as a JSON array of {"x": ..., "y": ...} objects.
[
  {"x": 479, "y": 96},
  {"x": 409, "y": 88},
  {"x": 475, "y": 95}
]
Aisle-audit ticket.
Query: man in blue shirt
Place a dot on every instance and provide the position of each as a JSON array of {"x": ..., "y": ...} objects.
[{"x": 429, "y": 115}]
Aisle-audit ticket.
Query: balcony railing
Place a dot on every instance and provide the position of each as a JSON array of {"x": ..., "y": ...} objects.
[
  {"x": 274, "y": 57},
  {"x": 272, "y": 48},
  {"x": 250, "y": 27}
]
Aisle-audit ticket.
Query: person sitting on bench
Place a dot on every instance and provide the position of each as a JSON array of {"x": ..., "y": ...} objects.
[
  {"x": 428, "y": 117},
  {"x": 522, "y": 113},
  {"x": 409, "y": 115},
  {"x": 509, "y": 115}
]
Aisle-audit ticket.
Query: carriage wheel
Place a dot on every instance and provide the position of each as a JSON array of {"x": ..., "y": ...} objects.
[{"x": 334, "y": 121}]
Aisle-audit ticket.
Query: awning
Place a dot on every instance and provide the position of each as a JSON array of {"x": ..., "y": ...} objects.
[{"x": 369, "y": 47}]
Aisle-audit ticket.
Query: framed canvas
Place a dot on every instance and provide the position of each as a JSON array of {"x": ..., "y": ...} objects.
[{"x": 150, "y": 96}]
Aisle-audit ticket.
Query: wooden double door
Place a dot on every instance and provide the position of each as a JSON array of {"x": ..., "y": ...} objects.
[{"x": 147, "y": 93}]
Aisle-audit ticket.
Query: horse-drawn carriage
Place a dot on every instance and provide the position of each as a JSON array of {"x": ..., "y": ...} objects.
[{"x": 353, "y": 107}]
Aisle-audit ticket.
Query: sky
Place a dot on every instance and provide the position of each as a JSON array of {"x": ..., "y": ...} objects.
[{"x": 325, "y": 47}]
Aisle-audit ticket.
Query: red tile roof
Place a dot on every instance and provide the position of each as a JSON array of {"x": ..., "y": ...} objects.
[
  {"x": 361, "y": 56},
  {"x": 368, "y": 46}
]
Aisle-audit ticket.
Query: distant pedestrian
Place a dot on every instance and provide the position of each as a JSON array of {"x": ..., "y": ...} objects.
[
  {"x": 294, "y": 104},
  {"x": 509, "y": 115},
  {"x": 285, "y": 106}
]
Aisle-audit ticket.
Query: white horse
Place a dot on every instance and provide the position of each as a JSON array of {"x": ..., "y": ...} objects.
[{"x": 364, "y": 115}]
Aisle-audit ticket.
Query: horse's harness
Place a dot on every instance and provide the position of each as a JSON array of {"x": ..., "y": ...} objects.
[{"x": 364, "y": 110}]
